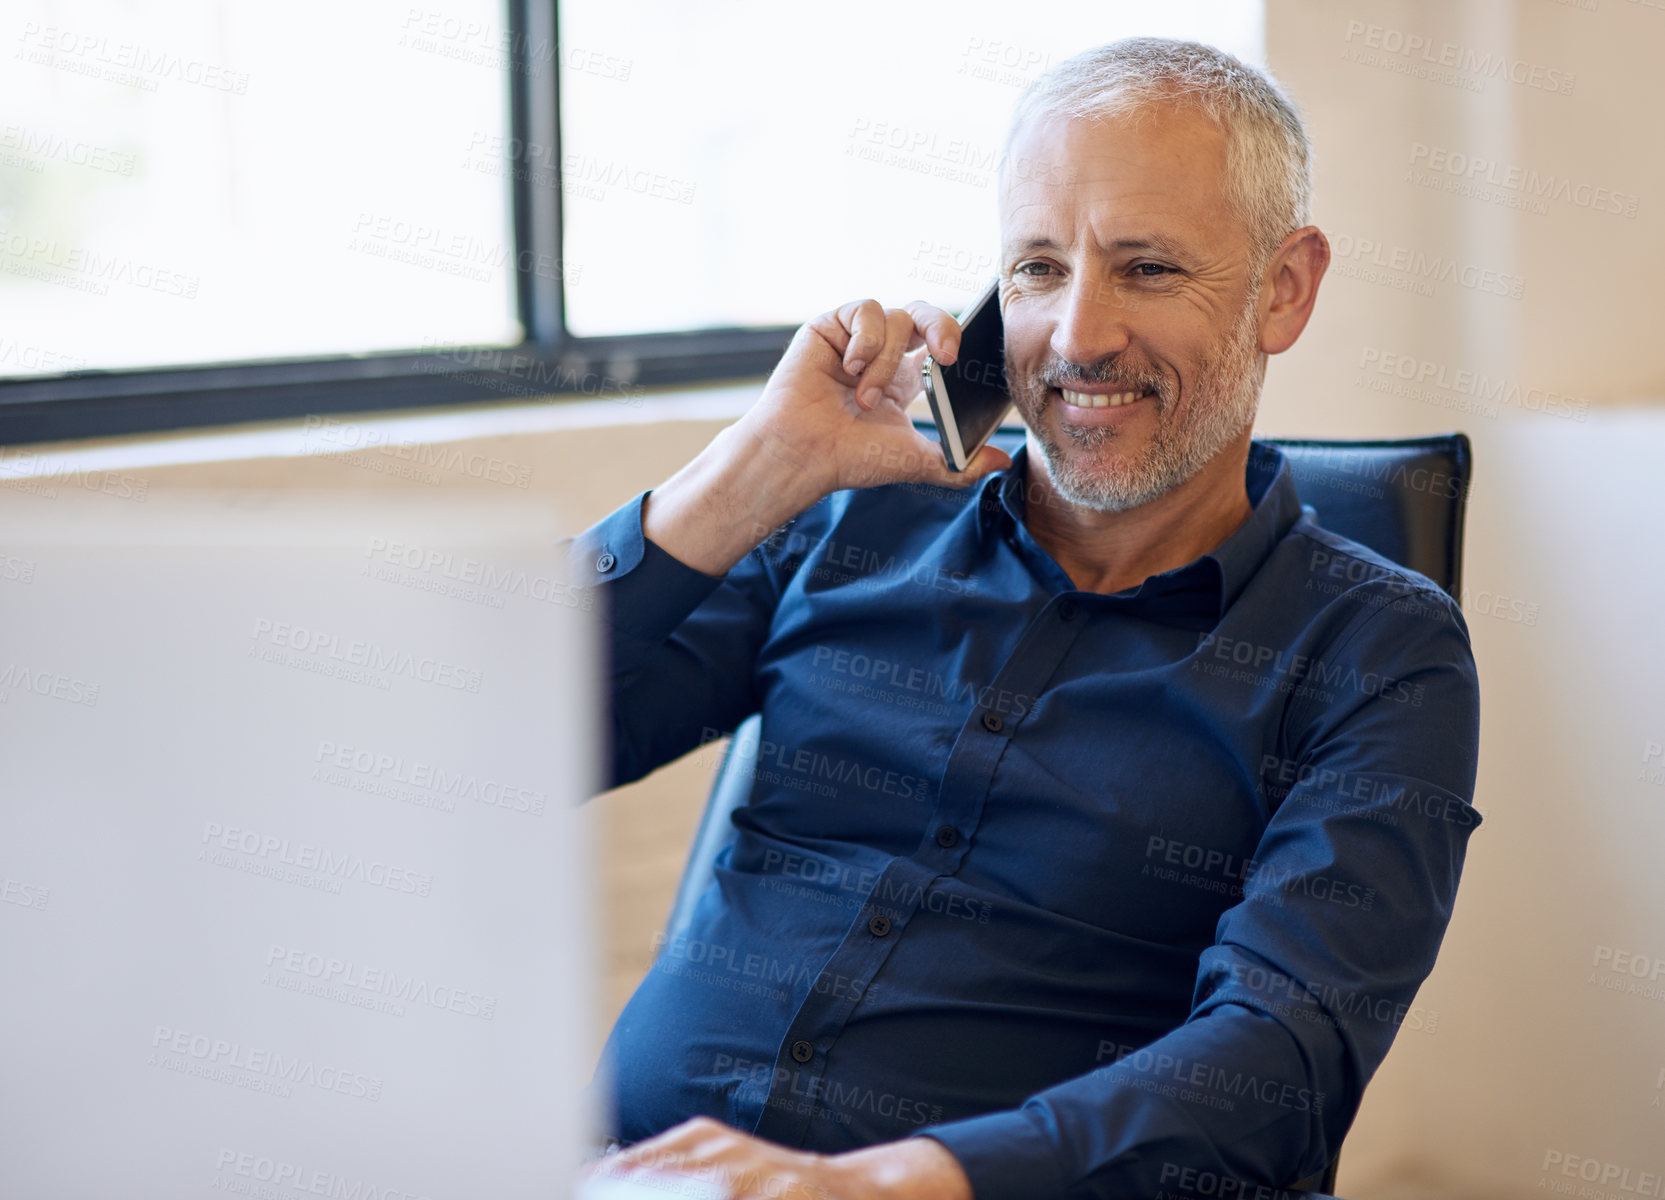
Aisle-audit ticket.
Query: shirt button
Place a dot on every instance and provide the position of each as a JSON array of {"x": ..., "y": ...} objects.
[
  {"x": 879, "y": 925},
  {"x": 803, "y": 1051},
  {"x": 1066, "y": 610},
  {"x": 606, "y": 563},
  {"x": 947, "y": 835},
  {"x": 992, "y": 722}
]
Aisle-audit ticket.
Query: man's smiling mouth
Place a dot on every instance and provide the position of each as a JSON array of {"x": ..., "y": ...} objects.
[{"x": 1100, "y": 399}]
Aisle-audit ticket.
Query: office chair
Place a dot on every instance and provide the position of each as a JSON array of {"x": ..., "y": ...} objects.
[{"x": 1405, "y": 499}]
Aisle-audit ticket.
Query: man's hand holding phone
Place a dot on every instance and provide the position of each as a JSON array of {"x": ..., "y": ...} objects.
[{"x": 832, "y": 416}]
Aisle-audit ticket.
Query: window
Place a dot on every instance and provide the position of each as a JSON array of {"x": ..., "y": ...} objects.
[
  {"x": 212, "y": 211},
  {"x": 755, "y": 163}
]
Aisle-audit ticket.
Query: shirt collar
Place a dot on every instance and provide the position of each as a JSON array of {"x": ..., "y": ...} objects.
[{"x": 1221, "y": 574}]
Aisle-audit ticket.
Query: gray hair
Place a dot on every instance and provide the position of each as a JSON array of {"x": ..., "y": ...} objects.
[{"x": 1268, "y": 159}]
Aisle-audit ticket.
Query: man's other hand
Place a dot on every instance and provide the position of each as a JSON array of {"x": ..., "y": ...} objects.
[{"x": 733, "y": 1165}]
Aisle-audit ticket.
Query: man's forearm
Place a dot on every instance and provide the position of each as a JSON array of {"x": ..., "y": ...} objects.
[
  {"x": 915, "y": 1168},
  {"x": 712, "y": 512}
]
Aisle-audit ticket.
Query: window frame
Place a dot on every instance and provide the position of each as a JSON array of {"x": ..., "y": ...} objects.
[{"x": 549, "y": 362}]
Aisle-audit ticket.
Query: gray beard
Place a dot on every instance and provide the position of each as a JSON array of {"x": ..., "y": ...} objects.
[{"x": 1222, "y": 408}]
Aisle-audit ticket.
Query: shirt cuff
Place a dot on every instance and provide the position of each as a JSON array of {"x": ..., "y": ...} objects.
[
  {"x": 649, "y": 593},
  {"x": 1005, "y": 1155}
]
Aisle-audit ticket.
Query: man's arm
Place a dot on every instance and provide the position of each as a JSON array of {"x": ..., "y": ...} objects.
[
  {"x": 683, "y": 624},
  {"x": 1312, "y": 973},
  {"x": 833, "y": 416}
]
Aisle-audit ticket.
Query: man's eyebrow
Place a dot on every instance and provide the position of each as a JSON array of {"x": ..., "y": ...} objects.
[{"x": 1154, "y": 243}]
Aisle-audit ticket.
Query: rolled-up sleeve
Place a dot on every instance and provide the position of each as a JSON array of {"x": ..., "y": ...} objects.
[{"x": 1313, "y": 972}]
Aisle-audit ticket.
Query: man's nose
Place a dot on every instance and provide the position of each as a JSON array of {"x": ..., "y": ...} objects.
[{"x": 1092, "y": 321}]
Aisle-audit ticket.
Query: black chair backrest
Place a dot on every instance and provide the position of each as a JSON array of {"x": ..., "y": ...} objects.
[{"x": 1404, "y": 499}]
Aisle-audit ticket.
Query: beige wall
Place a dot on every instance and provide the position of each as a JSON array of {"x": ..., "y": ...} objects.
[{"x": 1530, "y": 1058}]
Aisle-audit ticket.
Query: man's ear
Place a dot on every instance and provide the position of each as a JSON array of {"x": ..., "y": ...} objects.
[{"x": 1291, "y": 287}]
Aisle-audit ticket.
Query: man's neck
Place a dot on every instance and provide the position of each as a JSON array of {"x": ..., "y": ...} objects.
[{"x": 1111, "y": 551}]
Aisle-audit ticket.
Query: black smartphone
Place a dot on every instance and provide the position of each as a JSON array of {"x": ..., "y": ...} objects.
[{"x": 969, "y": 398}]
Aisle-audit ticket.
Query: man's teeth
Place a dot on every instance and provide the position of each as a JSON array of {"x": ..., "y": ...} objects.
[{"x": 1099, "y": 400}]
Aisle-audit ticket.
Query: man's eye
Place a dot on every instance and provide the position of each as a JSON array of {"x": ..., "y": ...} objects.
[
  {"x": 1033, "y": 269},
  {"x": 1151, "y": 270}
]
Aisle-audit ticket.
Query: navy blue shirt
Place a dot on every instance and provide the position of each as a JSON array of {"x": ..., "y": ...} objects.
[{"x": 1098, "y": 890}]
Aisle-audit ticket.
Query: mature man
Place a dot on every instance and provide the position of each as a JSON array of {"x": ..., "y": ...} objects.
[{"x": 1104, "y": 830}]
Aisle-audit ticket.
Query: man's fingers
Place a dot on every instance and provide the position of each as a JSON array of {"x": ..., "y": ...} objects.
[
  {"x": 987, "y": 460},
  {"x": 865, "y": 319},
  {"x": 899, "y": 335},
  {"x": 941, "y": 331}
]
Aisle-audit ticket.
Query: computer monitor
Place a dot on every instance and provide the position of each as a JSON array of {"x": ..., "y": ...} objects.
[{"x": 296, "y": 881}]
